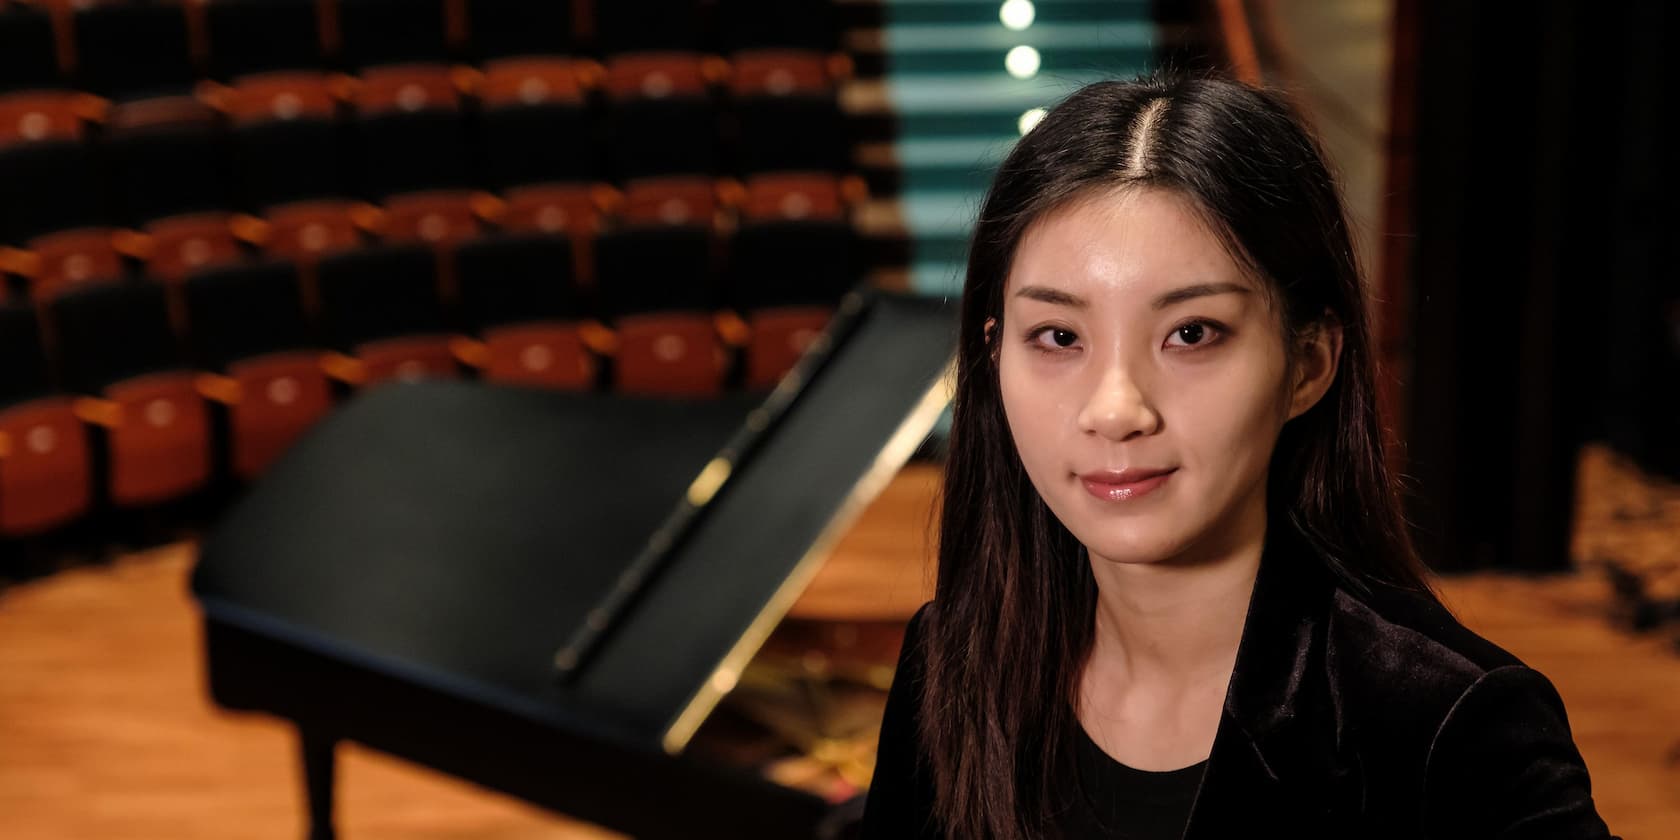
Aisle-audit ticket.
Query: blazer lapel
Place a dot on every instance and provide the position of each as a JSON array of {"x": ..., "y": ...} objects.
[{"x": 1277, "y": 759}]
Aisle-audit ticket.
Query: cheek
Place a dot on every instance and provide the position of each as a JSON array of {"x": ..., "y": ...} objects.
[
  {"x": 1230, "y": 425},
  {"x": 1031, "y": 405}
]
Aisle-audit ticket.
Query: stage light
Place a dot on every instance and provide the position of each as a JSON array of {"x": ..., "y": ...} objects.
[
  {"x": 1017, "y": 14},
  {"x": 1022, "y": 62},
  {"x": 1030, "y": 119}
]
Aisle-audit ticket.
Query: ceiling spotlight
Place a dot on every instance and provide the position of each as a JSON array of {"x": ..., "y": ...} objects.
[
  {"x": 1017, "y": 14},
  {"x": 1029, "y": 120},
  {"x": 1022, "y": 62}
]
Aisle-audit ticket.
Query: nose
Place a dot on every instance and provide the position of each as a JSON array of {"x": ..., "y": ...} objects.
[{"x": 1117, "y": 408}]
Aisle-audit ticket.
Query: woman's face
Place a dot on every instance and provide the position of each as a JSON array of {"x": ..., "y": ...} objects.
[{"x": 1132, "y": 344}]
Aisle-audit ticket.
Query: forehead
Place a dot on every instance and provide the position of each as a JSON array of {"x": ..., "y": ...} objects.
[{"x": 1122, "y": 246}]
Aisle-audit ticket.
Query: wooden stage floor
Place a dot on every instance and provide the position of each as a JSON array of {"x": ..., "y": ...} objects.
[{"x": 106, "y": 730}]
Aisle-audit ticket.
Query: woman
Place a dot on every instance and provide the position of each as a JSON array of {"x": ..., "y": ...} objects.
[{"x": 1176, "y": 596}]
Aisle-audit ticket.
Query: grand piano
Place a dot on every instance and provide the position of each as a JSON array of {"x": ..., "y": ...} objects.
[{"x": 548, "y": 594}]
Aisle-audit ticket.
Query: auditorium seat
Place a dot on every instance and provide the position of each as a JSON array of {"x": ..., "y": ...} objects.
[
  {"x": 35, "y": 115},
  {"x": 281, "y": 95},
  {"x": 180, "y": 245},
  {"x": 571, "y": 209},
  {"x": 551, "y": 208},
  {"x": 172, "y": 184},
  {"x": 655, "y": 284},
  {"x": 670, "y": 200},
  {"x": 380, "y": 307},
  {"x": 531, "y": 81},
  {"x": 417, "y": 166},
  {"x": 780, "y": 47},
  {"x": 295, "y": 174},
  {"x": 527, "y": 57},
  {"x": 68, "y": 258},
  {"x": 306, "y": 231},
  {"x": 440, "y": 218},
  {"x": 655, "y": 76},
  {"x": 544, "y": 162},
  {"x": 652, "y": 50},
  {"x": 519, "y": 299},
  {"x": 29, "y": 116},
  {"x": 269, "y": 53},
  {"x": 667, "y": 137},
  {"x": 247, "y": 323},
  {"x": 786, "y": 278},
  {"x": 116, "y": 345},
  {"x": 399, "y": 50},
  {"x": 797, "y": 196},
  {"x": 791, "y": 153},
  {"x": 45, "y": 466},
  {"x": 35, "y": 103},
  {"x": 406, "y": 88},
  {"x": 55, "y": 209},
  {"x": 779, "y": 72}
]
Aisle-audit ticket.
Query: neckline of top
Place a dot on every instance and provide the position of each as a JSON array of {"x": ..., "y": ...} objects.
[{"x": 1096, "y": 751}]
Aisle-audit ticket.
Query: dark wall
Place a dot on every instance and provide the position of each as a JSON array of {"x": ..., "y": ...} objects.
[{"x": 1542, "y": 314}]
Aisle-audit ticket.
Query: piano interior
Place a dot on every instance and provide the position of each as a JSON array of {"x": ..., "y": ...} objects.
[{"x": 806, "y": 712}]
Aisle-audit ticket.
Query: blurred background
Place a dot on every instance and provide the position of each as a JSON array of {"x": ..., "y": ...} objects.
[{"x": 521, "y": 418}]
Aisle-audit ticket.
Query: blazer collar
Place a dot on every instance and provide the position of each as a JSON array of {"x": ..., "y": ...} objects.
[{"x": 1278, "y": 749}]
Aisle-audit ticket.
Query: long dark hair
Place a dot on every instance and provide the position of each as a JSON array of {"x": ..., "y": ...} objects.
[{"x": 1012, "y": 618}]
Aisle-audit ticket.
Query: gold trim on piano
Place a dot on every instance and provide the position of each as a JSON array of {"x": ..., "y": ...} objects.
[{"x": 903, "y": 443}]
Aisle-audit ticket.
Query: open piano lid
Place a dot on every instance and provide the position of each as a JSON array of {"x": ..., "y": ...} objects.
[{"x": 461, "y": 538}]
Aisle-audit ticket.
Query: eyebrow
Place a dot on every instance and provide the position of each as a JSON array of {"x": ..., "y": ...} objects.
[
  {"x": 1199, "y": 290},
  {"x": 1058, "y": 297}
]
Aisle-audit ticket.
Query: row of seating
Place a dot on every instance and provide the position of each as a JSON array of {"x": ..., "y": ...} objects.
[
  {"x": 180, "y": 198},
  {"x": 135, "y": 51},
  {"x": 224, "y": 39},
  {"x": 413, "y": 75},
  {"x": 141, "y": 368},
  {"x": 381, "y": 154}
]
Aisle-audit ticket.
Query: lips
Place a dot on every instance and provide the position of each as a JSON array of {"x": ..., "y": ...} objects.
[
  {"x": 1124, "y": 485},
  {"x": 1130, "y": 475}
]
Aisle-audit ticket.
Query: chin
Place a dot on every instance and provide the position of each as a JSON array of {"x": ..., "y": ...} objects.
[
  {"x": 1132, "y": 544},
  {"x": 1129, "y": 553}
]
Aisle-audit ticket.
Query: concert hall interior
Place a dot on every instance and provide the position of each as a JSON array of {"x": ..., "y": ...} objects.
[{"x": 527, "y": 418}]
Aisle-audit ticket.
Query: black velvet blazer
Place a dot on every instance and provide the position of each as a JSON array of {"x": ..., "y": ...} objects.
[{"x": 1345, "y": 717}]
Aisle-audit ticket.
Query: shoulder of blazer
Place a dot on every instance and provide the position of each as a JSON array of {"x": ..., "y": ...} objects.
[{"x": 1400, "y": 663}]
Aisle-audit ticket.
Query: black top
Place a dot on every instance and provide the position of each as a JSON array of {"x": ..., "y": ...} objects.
[
  {"x": 1119, "y": 801},
  {"x": 1375, "y": 716},
  {"x": 1107, "y": 799}
]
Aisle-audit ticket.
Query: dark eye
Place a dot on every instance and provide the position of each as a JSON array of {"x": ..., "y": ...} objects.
[
  {"x": 1051, "y": 339},
  {"x": 1194, "y": 334}
]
